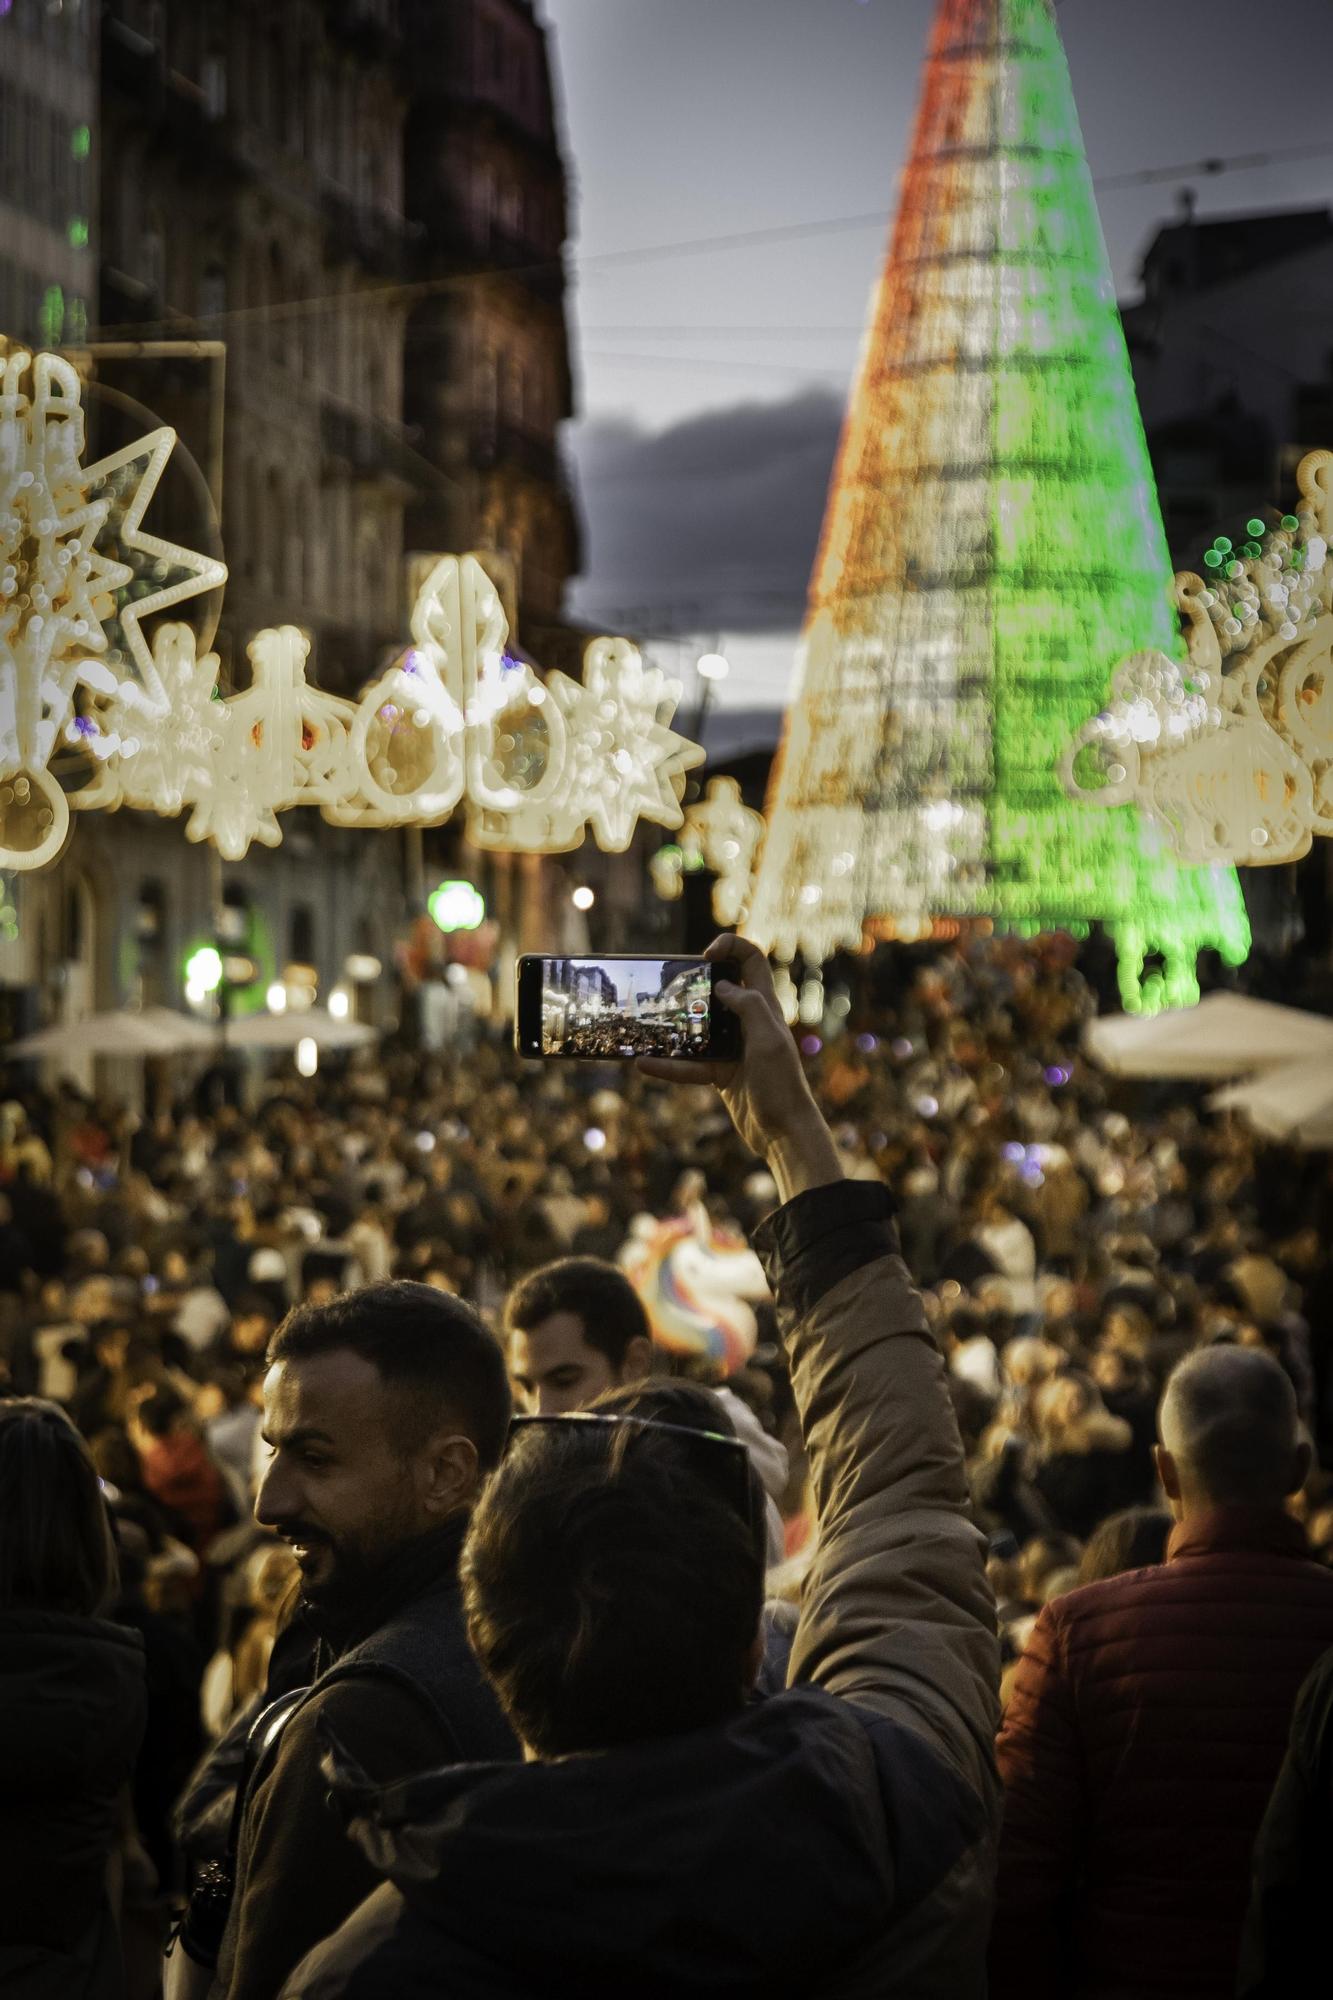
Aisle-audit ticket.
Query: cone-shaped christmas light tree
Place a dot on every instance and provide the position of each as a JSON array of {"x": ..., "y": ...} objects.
[{"x": 992, "y": 547}]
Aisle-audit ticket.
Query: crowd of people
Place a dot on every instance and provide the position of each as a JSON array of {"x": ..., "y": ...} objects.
[{"x": 1038, "y": 1510}]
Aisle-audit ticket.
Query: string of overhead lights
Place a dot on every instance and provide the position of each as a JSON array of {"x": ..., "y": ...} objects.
[{"x": 1211, "y": 167}]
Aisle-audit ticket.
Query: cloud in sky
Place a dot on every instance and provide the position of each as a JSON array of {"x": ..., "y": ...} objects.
[{"x": 710, "y": 524}]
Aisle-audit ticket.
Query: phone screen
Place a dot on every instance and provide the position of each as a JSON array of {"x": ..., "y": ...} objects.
[{"x": 613, "y": 1008}]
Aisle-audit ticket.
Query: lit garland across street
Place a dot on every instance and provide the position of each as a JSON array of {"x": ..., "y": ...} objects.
[
  {"x": 458, "y": 719},
  {"x": 992, "y": 546}
]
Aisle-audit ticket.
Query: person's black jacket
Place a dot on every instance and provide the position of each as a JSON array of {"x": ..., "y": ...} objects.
[
  {"x": 72, "y": 1709},
  {"x": 1082, "y": 1487},
  {"x": 401, "y": 1689},
  {"x": 1286, "y": 1929},
  {"x": 835, "y": 1839}
]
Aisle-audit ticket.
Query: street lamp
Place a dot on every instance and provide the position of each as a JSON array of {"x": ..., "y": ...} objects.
[
  {"x": 203, "y": 973},
  {"x": 583, "y": 899}
]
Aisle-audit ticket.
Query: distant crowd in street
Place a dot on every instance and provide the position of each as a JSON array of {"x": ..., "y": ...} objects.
[{"x": 384, "y": 1611}]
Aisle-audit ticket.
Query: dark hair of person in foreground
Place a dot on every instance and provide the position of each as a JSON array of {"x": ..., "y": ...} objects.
[
  {"x": 542, "y": 1567},
  {"x": 56, "y": 1548}
]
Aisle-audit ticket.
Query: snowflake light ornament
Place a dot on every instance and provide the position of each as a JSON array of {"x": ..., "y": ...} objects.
[
  {"x": 75, "y": 565},
  {"x": 158, "y": 742},
  {"x": 1232, "y": 753},
  {"x": 624, "y": 762}
]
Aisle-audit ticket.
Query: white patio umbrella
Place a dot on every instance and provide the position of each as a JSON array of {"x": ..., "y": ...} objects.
[
  {"x": 286, "y": 1030},
  {"x": 1294, "y": 1103},
  {"x": 1227, "y": 1034},
  {"x": 122, "y": 1031},
  {"x": 184, "y": 1029}
]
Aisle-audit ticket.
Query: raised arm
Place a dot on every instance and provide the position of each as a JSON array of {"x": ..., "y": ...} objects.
[{"x": 897, "y": 1614}]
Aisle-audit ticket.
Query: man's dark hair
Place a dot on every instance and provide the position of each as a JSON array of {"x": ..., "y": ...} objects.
[
  {"x": 611, "y": 1596},
  {"x": 598, "y": 1294},
  {"x": 427, "y": 1344}
]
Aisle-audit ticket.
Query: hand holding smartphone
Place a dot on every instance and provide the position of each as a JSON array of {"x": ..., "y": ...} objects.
[{"x": 619, "y": 1006}]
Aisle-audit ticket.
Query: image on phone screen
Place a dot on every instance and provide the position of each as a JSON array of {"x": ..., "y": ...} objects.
[{"x": 616, "y": 1008}]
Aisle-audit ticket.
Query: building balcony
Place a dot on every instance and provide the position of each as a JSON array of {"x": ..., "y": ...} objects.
[
  {"x": 505, "y": 446},
  {"x": 368, "y": 28},
  {"x": 374, "y": 237},
  {"x": 533, "y": 137},
  {"x": 538, "y": 267},
  {"x": 372, "y": 450}
]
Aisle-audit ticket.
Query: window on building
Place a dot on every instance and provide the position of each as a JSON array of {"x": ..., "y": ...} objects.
[
  {"x": 251, "y": 536},
  {"x": 369, "y": 568},
  {"x": 273, "y": 530},
  {"x": 301, "y": 935},
  {"x": 487, "y": 385},
  {"x": 213, "y": 80},
  {"x": 277, "y": 291},
  {"x": 150, "y": 912},
  {"x": 311, "y": 579},
  {"x": 513, "y": 390},
  {"x": 234, "y": 916},
  {"x": 153, "y": 252},
  {"x": 213, "y": 290},
  {"x": 274, "y": 83}
]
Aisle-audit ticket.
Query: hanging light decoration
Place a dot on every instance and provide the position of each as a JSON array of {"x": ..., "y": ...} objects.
[
  {"x": 1231, "y": 754},
  {"x": 459, "y": 718}
]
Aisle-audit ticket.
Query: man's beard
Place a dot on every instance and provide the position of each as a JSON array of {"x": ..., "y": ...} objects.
[{"x": 345, "y": 1575}]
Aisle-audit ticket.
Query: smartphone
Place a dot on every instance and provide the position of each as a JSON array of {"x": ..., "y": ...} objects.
[{"x": 619, "y": 1005}]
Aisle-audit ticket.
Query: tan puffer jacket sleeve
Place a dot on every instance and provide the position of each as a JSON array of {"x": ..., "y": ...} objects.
[{"x": 897, "y": 1614}]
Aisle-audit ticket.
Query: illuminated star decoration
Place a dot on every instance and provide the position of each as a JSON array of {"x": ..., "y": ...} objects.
[
  {"x": 79, "y": 573},
  {"x": 162, "y": 573},
  {"x": 55, "y": 591}
]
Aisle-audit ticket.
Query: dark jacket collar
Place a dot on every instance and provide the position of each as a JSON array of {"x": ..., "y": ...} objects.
[
  {"x": 428, "y": 1562},
  {"x": 1266, "y": 1530}
]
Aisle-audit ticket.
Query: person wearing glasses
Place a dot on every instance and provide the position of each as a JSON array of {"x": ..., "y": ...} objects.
[{"x": 667, "y": 1834}]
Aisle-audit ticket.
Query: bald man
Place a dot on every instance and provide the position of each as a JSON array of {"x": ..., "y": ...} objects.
[{"x": 1150, "y": 1713}]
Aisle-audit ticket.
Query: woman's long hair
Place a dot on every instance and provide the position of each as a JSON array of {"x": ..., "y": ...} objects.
[{"x": 56, "y": 1547}]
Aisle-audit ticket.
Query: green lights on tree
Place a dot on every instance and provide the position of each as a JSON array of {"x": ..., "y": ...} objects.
[
  {"x": 51, "y": 316},
  {"x": 78, "y": 232},
  {"x": 81, "y": 142},
  {"x": 456, "y": 906},
  {"x": 992, "y": 547}
]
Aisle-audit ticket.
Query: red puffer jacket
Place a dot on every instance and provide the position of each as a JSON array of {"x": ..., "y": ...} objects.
[{"x": 1145, "y": 1730}]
